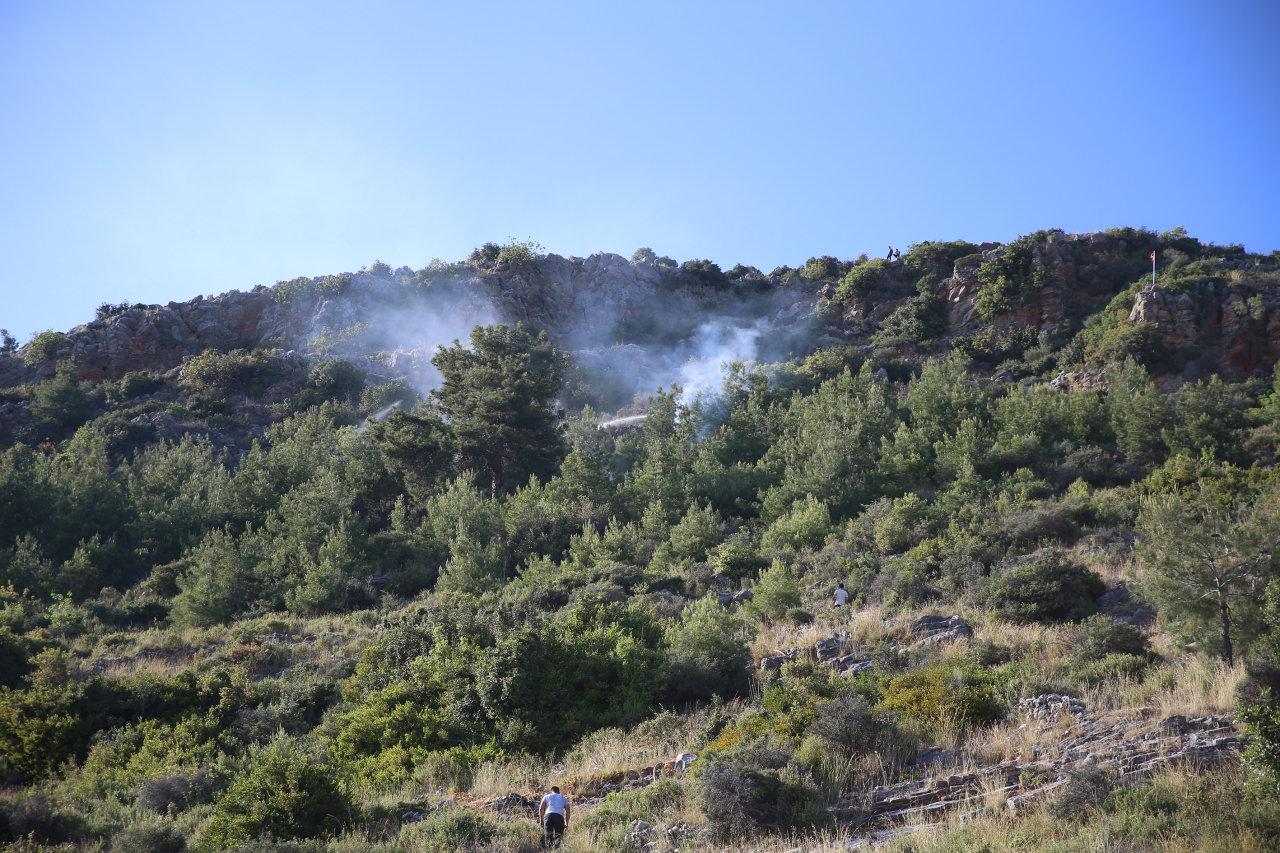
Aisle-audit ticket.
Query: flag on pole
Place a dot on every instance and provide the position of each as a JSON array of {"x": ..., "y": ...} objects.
[{"x": 1153, "y": 256}]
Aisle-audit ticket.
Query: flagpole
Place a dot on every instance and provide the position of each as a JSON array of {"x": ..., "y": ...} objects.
[{"x": 1153, "y": 269}]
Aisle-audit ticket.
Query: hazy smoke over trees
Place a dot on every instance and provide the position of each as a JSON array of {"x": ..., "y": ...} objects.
[{"x": 629, "y": 328}]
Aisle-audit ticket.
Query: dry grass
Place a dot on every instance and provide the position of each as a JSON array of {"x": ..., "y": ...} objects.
[
  {"x": 600, "y": 753},
  {"x": 1190, "y": 685},
  {"x": 1014, "y": 741},
  {"x": 865, "y": 626},
  {"x": 157, "y": 667},
  {"x": 522, "y": 773}
]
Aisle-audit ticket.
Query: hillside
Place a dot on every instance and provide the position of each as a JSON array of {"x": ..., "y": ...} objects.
[{"x": 369, "y": 561}]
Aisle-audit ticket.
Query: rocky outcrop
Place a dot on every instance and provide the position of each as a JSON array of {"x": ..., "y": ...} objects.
[
  {"x": 1215, "y": 325},
  {"x": 1121, "y": 604},
  {"x": 598, "y": 307},
  {"x": 390, "y": 322},
  {"x": 1127, "y": 748},
  {"x": 160, "y": 337},
  {"x": 932, "y": 630},
  {"x": 841, "y": 653}
]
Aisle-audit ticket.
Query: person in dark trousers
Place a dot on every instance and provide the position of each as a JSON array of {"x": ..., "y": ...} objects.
[
  {"x": 553, "y": 815},
  {"x": 889, "y": 256}
]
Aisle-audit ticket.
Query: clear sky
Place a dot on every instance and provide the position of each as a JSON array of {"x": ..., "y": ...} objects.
[{"x": 150, "y": 152}]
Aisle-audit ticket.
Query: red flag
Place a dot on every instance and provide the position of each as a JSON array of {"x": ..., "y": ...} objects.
[{"x": 1153, "y": 256}]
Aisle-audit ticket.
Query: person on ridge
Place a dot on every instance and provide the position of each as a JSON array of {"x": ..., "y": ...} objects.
[
  {"x": 553, "y": 815},
  {"x": 841, "y": 596},
  {"x": 889, "y": 256}
]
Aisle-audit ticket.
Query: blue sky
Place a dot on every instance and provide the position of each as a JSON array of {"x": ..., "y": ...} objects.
[{"x": 151, "y": 152}]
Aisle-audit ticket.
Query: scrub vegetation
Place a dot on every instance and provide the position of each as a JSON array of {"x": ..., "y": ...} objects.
[{"x": 311, "y": 641}]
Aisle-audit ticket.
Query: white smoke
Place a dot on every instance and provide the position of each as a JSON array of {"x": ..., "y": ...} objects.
[
  {"x": 625, "y": 341},
  {"x": 718, "y": 343},
  {"x": 393, "y": 329}
]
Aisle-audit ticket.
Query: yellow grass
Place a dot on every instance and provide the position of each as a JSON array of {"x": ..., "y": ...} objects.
[{"x": 1189, "y": 685}]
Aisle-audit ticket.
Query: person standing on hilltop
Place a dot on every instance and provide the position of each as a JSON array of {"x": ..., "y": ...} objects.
[{"x": 553, "y": 815}]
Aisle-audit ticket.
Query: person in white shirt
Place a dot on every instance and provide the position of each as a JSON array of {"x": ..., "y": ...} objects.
[
  {"x": 553, "y": 814},
  {"x": 841, "y": 597}
]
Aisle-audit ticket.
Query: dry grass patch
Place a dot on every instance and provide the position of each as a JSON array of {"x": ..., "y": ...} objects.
[{"x": 1189, "y": 685}]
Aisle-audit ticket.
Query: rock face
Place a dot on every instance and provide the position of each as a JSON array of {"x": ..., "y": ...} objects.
[
  {"x": 1120, "y": 604},
  {"x": 599, "y": 307},
  {"x": 390, "y": 322},
  {"x": 939, "y": 629},
  {"x": 1078, "y": 275},
  {"x": 840, "y": 652},
  {"x": 159, "y": 337},
  {"x": 1233, "y": 330},
  {"x": 1128, "y": 749}
]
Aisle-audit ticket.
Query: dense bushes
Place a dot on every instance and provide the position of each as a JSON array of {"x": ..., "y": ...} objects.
[
  {"x": 60, "y": 404},
  {"x": 943, "y": 696},
  {"x": 512, "y": 580},
  {"x": 449, "y": 830},
  {"x": 707, "y": 656},
  {"x": 236, "y": 372},
  {"x": 1045, "y": 587},
  {"x": 850, "y": 728},
  {"x": 754, "y": 791},
  {"x": 1010, "y": 274},
  {"x": 44, "y": 347},
  {"x": 285, "y": 793}
]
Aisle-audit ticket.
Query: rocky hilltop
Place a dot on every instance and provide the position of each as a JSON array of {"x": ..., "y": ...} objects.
[
  {"x": 1050, "y": 306},
  {"x": 383, "y": 316}
]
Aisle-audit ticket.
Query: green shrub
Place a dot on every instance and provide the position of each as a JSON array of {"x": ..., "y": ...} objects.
[
  {"x": 774, "y": 593},
  {"x": 704, "y": 273},
  {"x": 737, "y": 556},
  {"x": 34, "y": 818},
  {"x": 1045, "y": 587},
  {"x": 622, "y": 807},
  {"x": 943, "y": 695},
  {"x": 60, "y": 404},
  {"x": 449, "y": 830},
  {"x": 1085, "y": 672},
  {"x": 519, "y": 252},
  {"x": 236, "y": 372},
  {"x": 936, "y": 257},
  {"x": 1100, "y": 635},
  {"x": 1086, "y": 790},
  {"x": 1010, "y": 274},
  {"x": 850, "y": 728},
  {"x": 374, "y": 398},
  {"x": 819, "y": 269},
  {"x": 151, "y": 837},
  {"x": 1262, "y": 722},
  {"x": 919, "y": 319},
  {"x": 806, "y": 525},
  {"x": 1142, "y": 342},
  {"x": 287, "y": 793},
  {"x": 334, "y": 379},
  {"x": 799, "y": 616},
  {"x": 133, "y": 384},
  {"x": 752, "y": 791},
  {"x": 43, "y": 347},
  {"x": 861, "y": 280},
  {"x": 707, "y": 656}
]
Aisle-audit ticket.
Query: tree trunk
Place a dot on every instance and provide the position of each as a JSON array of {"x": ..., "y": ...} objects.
[{"x": 1228, "y": 653}]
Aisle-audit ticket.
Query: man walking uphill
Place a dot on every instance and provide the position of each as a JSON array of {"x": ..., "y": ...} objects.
[{"x": 553, "y": 814}]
